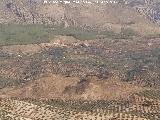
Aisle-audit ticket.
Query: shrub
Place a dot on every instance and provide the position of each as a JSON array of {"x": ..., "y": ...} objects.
[{"x": 127, "y": 33}]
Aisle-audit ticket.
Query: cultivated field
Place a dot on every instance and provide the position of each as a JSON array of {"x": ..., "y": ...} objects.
[{"x": 138, "y": 108}]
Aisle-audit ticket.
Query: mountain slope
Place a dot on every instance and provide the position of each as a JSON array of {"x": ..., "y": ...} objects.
[
  {"x": 111, "y": 17},
  {"x": 148, "y": 8}
]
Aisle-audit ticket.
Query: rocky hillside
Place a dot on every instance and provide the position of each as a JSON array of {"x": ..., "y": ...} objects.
[
  {"x": 148, "y": 8},
  {"x": 112, "y": 17},
  {"x": 132, "y": 60}
]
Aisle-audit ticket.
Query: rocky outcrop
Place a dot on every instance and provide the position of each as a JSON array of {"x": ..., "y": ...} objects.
[
  {"x": 109, "y": 16},
  {"x": 148, "y": 8}
]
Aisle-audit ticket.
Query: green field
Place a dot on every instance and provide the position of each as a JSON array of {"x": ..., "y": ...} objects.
[
  {"x": 11, "y": 34},
  {"x": 22, "y": 34}
]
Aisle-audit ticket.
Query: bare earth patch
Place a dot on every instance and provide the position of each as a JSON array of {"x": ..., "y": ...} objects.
[{"x": 54, "y": 86}]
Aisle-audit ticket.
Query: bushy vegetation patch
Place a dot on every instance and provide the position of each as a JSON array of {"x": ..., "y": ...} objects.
[{"x": 7, "y": 82}]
